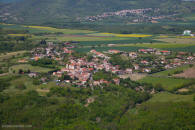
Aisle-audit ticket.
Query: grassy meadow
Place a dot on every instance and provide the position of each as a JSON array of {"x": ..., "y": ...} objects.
[
  {"x": 123, "y": 35},
  {"x": 159, "y": 45},
  {"x": 172, "y": 71},
  {"x": 42, "y": 89},
  {"x": 177, "y": 39},
  {"x": 26, "y": 67},
  {"x": 169, "y": 84},
  {"x": 101, "y": 49},
  {"x": 82, "y": 38},
  {"x": 12, "y": 90},
  {"x": 4, "y": 56},
  {"x": 169, "y": 97},
  {"x": 162, "y": 111}
]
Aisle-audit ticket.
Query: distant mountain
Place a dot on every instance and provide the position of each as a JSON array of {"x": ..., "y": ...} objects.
[
  {"x": 8, "y": 1},
  {"x": 45, "y": 11}
]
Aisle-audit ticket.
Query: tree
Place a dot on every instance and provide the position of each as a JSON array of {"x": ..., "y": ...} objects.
[
  {"x": 36, "y": 82},
  {"x": 3, "y": 98},
  {"x": 20, "y": 86},
  {"x": 3, "y": 85},
  {"x": 20, "y": 71},
  {"x": 43, "y": 42},
  {"x": 194, "y": 97},
  {"x": 118, "y": 60},
  {"x": 28, "y": 71},
  {"x": 89, "y": 58},
  {"x": 159, "y": 87},
  {"x": 22, "y": 38},
  {"x": 64, "y": 77},
  {"x": 191, "y": 65}
]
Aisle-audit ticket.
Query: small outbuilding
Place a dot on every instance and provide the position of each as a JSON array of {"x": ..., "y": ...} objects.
[{"x": 187, "y": 33}]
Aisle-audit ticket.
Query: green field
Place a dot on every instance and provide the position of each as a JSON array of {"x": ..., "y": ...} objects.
[
  {"x": 160, "y": 45},
  {"x": 101, "y": 34},
  {"x": 87, "y": 49},
  {"x": 86, "y": 37},
  {"x": 119, "y": 40},
  {"x": 42, "y": 89},
  {"x": 12, "y": 90},
  {"x": 164, "y": 108},
  {"x": 169, "y": 84},
  {"x": 190, "y": 17},
  {"x": 9, "y": 55},
  {"x": 177, "y": 39},
  {"x": 92, "y": 38},
  {"x": 165, "y": 46},
  {"x": 160, "y": 116},
  {"x": 26, "y": 67},
  {"x": 81, "y": 38},
  {"x": 42, "y": 29},
  {"x": 188, "y": 47},
  {"x": 172, "y": 71},
  {"x": 184, "y": 49},
  {"x": 169, "y": 97}
]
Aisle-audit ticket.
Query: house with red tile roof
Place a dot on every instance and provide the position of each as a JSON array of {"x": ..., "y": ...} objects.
[{"x": 114, "y": 51}]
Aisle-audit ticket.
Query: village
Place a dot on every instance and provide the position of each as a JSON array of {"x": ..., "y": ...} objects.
[
  {"x": 138, "y": 15},
  {"x": 83, "y": 70}
]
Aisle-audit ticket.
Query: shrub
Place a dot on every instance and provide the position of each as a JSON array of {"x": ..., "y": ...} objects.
[
  {"x": 3, "y": 85},
  {"x": 36, "y": 82},
  {"x": 191, "y": 65},
  {"x": 159, "y": 87},
  {"x": 20, "y": 86},
  {"x": 178, "y": 72},
  {"x": 3, "y": 98}
]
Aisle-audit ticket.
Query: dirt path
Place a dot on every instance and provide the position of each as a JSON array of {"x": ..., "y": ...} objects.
[
  {"x": 189, "y": 73},
  {"x": 134, "y": 77},
  {"x": 4, "y": 74}
]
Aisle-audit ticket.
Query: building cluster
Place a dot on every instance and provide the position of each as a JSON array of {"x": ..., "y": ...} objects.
[
  {"x": 122, "y": 13},
  {"x": 188, "y": 33},
  {"x": 52, "y": 52},
  {"x": 80, "y": 71},
  {"x": 159, "y": 60},
  {"x": 135, "y": 15}
]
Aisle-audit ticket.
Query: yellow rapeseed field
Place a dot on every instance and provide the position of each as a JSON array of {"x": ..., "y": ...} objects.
[
  {"x": 66, "y": 31},
  {"x": 19, "y": 35},
  {"x": 6, "y": 24}
]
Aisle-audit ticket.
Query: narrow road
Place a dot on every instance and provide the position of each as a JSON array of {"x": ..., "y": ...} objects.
[{"x": 4, "y": 74}]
